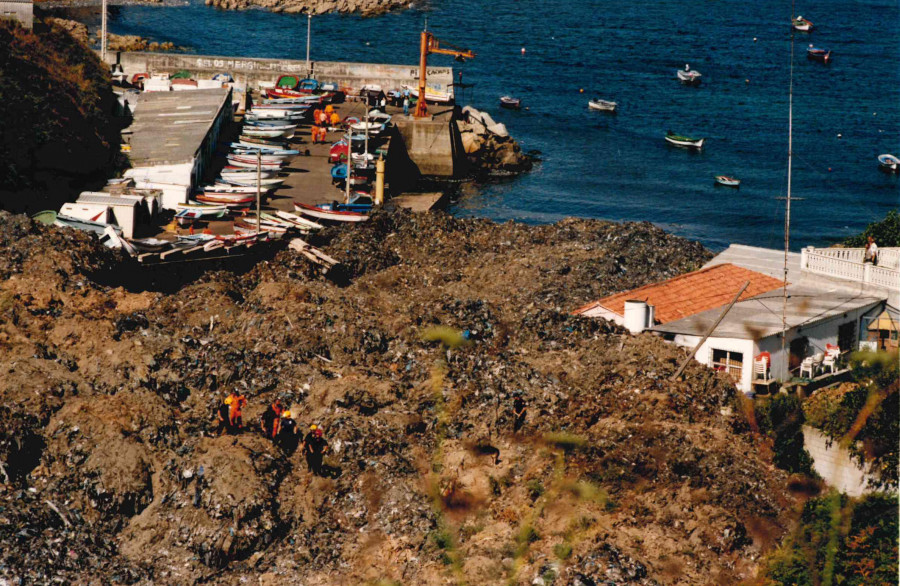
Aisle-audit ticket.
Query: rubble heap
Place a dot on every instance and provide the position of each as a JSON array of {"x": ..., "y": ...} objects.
[{"x": 617, "y": 475}]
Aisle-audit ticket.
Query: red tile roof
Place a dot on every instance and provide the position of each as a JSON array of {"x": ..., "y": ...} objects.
[{"x": 691, "y": 293}]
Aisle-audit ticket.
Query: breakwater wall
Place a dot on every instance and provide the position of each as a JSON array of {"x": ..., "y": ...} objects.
[{"x": 254, "y": 70}]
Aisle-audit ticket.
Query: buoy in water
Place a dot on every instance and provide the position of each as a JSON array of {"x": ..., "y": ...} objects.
[
  {"x": 754, "y": 39},
  {"x": 523, "y": 50},
  {"x": 581, "y": 91},
  {"x": 840, "y": 135}
]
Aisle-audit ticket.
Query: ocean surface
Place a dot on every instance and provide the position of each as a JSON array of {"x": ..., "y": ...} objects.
[{"x": 619, "y": 167}]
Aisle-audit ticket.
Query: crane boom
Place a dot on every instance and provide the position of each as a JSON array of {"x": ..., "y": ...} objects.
[{"x": 428, "y": 44}]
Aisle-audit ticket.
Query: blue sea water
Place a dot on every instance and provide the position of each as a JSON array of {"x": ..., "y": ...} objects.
[{"x": 618, "y": 167}]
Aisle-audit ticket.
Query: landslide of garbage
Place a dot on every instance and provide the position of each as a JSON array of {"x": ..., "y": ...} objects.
[{"x": 410, "y": 362}]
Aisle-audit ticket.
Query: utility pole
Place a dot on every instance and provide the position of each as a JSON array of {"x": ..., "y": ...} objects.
[
  {"x": 103, "y": 32},
  {"x": 258, "y": 187},
  {"x": 308, "y": 36},
  {"x": 349, "y": 156}
]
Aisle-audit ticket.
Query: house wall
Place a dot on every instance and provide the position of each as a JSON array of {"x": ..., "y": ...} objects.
[
  {"x": 704, "y": 354},
  {"x": 174, "y": 181},
  {"x": 819, "y": 335},
  {"x": 835, "y": 464},
  {"x": 23, "y": 12},
  {"x": 606, "y": 314}
]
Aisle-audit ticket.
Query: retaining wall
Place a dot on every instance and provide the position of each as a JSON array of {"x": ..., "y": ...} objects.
[
  {"x": 834, "y": 463},
  {"x": 254, "y": 70}
]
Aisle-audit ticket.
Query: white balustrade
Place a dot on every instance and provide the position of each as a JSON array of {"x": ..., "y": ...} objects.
[{"x": 847, "y": 263}]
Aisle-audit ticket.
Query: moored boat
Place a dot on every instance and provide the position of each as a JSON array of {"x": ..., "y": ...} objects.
[
  {"x": 818, "y": 54},
  {"x": 684, "y": 141},
  {"x": 602, "y": 105},
  {"x": 689, "y": 77},
  {"x": 510, "y": 103},
  {"x": 300, "y": 221},
  {"x": 802, "y": 25},
  {"x": 889, "y": 163},
  {"x": 727, "y": 181}
]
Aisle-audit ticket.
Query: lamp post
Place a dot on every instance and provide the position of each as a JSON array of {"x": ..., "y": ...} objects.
[
  {"x": 103, "y": 32},
  {"x": 308, "y": 35}
]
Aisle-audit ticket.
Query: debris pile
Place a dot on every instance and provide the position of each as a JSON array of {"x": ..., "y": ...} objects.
[{"x": 410, "y": 364}]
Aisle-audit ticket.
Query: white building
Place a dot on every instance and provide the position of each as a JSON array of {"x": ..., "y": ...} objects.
[
  {"x": 21, "y": 11},
  {"x": 173, "y": 138},
  {"x": 833, "y": 298}
]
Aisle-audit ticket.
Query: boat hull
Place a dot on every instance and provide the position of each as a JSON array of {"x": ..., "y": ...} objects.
[
  {"x": 685, "y": 143},
  {"x": 333, "y": 216}
]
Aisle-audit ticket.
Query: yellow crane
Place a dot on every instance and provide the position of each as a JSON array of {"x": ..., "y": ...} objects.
[{"x": 430, "y": 45}]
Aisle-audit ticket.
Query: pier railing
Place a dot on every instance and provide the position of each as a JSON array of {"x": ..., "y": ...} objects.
[{"x": 847, "y": 263}]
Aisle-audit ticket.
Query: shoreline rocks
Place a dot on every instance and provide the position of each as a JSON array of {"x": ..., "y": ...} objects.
[
  {"x": 315, "y": 7},
  {"x": 489, "y": 147}
]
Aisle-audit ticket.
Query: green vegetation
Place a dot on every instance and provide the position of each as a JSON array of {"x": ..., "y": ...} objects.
[
  {"x": 840, "y": 541},
  {"x": 57, "y": 116},
  {"x": 886, "y": 232},
  {"x": 866, "y": 414},
  {"x": 781, "y": 419}
]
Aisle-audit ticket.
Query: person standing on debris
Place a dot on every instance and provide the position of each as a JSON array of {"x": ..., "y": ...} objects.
[
  {"x": 406, "y": 105},
  {"x": 287, "y": 437},
  {"x": 236, "y": 412},
  {"x": 271, "y": 419},
  {"x": 223, "y": 416},
  {"x": 315, "y": 448},
  {"x": 519, "y": 413}
]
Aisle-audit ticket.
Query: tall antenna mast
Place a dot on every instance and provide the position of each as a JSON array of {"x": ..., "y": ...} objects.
[{"x": 787, "y": 200}]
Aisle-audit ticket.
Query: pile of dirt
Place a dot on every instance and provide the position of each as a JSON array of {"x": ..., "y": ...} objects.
[{"x": 410, "y": 362}]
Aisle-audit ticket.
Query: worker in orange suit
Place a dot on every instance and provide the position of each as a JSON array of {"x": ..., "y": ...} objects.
[
  {"x": 236, "y": 412},
  {"x": 335, "y": 120}
]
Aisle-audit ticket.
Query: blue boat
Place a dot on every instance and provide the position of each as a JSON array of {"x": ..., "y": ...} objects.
[
  {"x": 308, "y": 85},
  {"x": 359, "y": 203}
]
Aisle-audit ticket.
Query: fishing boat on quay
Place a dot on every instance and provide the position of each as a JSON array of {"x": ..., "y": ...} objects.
[
  {"x": 684, "y": 141},
  {"x": 330, "y": 215}
]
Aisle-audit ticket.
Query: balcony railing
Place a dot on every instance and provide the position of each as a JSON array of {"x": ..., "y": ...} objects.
[{"x": 847, "y": 263}]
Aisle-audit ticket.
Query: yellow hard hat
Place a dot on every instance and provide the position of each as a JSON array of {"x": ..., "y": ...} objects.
[
  {"x": 313, "y": 427},
  {"x": 229, "y": 400},
  {"x": 286, "y": 414}
]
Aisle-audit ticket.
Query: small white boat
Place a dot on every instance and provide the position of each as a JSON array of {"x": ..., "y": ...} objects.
[
  {"x": 373, "y": 127},
  {"x": 260, "y": 131},
  {"x": 602, "y": 105},
  {"x": 802, "y": 25},
  {"x": 248, "y": 182},
  {"x": 248, "y": 173},
  {"x": 226, "y": 188},
  {"x": 889, "y": 163},
  {"x": 299, "y": 221},
  {"x": 684, "y": 141},
  {"x": 237, "y": 161},
  {"x": 201, "y": 208},
  {"x": 728, "y": 181},
  {"x": 689, "y": 77}
]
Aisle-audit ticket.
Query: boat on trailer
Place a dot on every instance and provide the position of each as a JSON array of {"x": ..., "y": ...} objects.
[{"x": 684, "y": 141}]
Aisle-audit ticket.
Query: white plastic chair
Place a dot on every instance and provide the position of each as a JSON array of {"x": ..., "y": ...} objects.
[
  {"x": 808, "y": 365},
  {"x": 761, "y": 369},
  {"x": 830, "y": 361}
]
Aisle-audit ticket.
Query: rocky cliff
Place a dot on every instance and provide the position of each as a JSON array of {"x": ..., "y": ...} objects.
[
  {"x": 409, "y": 359},
  {"x": 364, "y": 7}
]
